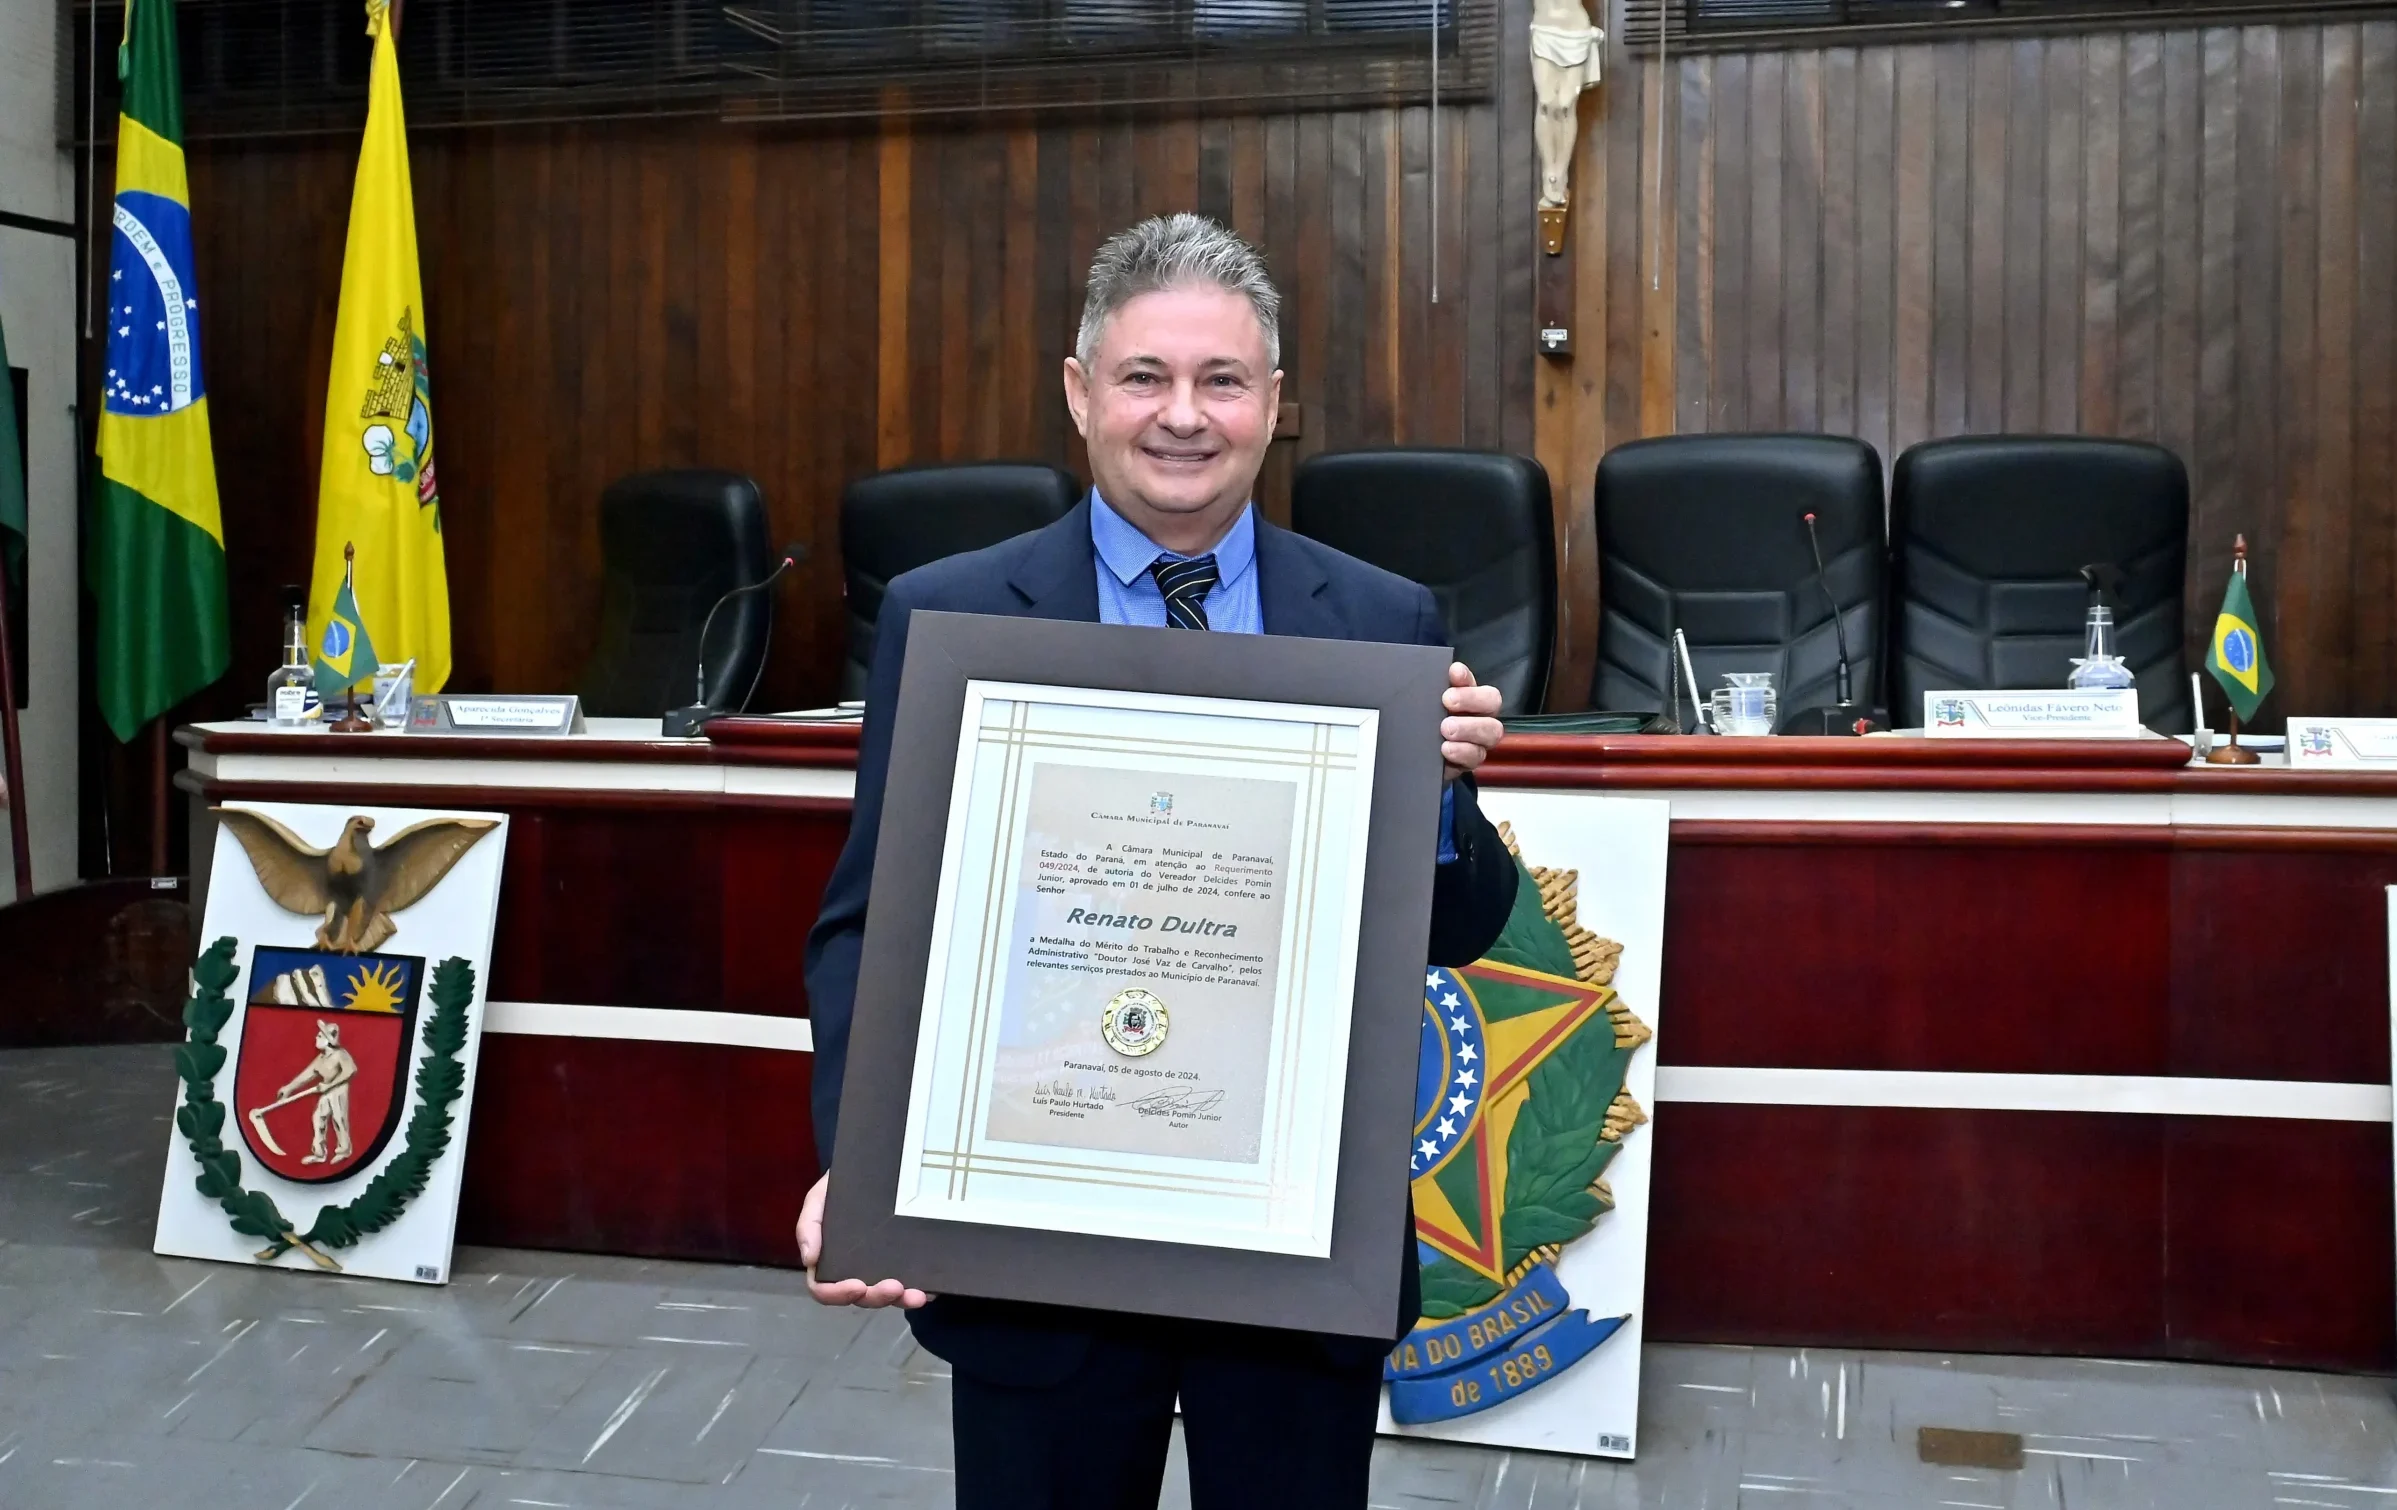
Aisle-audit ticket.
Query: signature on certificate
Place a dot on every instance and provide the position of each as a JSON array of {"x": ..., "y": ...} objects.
[{"x": 1189, "y": 1102}]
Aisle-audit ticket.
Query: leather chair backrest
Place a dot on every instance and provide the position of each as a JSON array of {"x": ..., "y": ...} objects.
[
  {"x": 893, "y": 522},
  {"x": 671, "y": 543},
  {"x": 1706, "y": 533},
  {"x": 1988, "y": 538},
  {"x": 1473, "y": 526}
]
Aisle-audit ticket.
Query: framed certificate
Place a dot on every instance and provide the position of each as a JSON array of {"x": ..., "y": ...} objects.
[{"x": 1140, "y": 997}]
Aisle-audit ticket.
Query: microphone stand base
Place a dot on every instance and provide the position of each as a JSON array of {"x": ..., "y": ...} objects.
[
  {"x": 1838, "y": 720},
  {"x": 690, "y": 722}
]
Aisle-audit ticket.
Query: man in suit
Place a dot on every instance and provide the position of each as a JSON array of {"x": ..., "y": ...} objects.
[{"x": 1175, "y": 388}]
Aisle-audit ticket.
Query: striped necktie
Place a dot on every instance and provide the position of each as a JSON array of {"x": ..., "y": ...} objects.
[{"x": 1185, "y": 585}]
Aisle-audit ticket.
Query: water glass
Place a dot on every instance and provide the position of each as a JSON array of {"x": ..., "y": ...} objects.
[
  {"x": 395, "y": 689},
  {"x": 1746, "y": 704}
]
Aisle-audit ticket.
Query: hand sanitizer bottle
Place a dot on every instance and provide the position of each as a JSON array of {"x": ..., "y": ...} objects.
[
  {"x": 291, "y": 700},
  {"x": 2100, "y": 667}
]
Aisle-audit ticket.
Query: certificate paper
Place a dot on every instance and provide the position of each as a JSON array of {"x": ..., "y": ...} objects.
[{"x": 1135, "y": 1017}]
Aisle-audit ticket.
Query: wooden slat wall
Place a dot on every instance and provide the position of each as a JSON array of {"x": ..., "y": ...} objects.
[
  {"x": 807, "y": 307},
  {"x": 2184, "y": 236}
]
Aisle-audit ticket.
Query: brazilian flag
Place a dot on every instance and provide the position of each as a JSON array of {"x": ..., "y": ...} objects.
[
  {"x": 2237, "y": 659},
  {"x": 345, "y": 657},
  {"x": 157, "y": 561}
]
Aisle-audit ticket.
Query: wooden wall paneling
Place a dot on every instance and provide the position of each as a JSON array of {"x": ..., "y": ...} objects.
[
  {"x": 2180, "y": 345},
  {"x": 1516, "y": 243},
  {"x": 1956, "y": 229},
  {"x": 1481, "y": 307},
  {"x": 1623, "y": 224},
  {"x": 2304, "y": 533},
  {"x": 2333, "y": 460},
  {"x": 2372, "y": 563},
  {"x": 2007, "y": 288},
  {"x": 1839, "y": 323},
  {"x": 1803, "y": 207},
  {"x": 1727, "y": 352},
  {"x": 2097, "y": 360},
  {"x": 1377, "y": 406},
  {"x": 1873, "y": 244},
  {"x": 2064, "y": 319},
  {"x": 1918, "y": 245},
  {"x": 2139, "y": 251},
  {"x": 1659, "y": 260},
  {"x": 1987, "y": 253},
  {"x": 1415, "y": 388},
  {"x": 1767, "y": 143},
  {"x": 894, "y": 430},
  {"x": 1692, "y": 210},
  {"x": 953, "y": 350},
  {"x": 1346, "y": 369}
]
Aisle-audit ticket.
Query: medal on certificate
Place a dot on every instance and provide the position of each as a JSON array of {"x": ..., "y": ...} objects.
[{"x": 1134, "y": 1023}]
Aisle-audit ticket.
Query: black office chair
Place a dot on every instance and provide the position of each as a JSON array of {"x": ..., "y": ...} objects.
[
  {"x": 893, "y": 522},
  {"x": 1988, "y": 535},
  {"x": 1473, "y": 526},
  {"x": 672, "y": 543},
  {"x": 1706, "y": 533}
]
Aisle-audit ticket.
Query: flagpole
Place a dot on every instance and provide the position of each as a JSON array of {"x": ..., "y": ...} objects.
[
  {"x": 12, "y": 754},
  {"x": 159, "y": 781},
  {"x": 2235, "y": 753}
]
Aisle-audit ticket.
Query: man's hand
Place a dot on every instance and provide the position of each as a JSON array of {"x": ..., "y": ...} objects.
[
  {"x": 844, "y": 1292},
  {"x": 1471, "y": 730}
]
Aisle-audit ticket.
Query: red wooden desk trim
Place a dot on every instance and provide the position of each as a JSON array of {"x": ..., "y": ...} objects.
[
  {"x": 373, "y": 794},
  {"x": 1896, "y": 753},
  {"x": 330, "y": 746},
  {"x": 769, "y": 741}
]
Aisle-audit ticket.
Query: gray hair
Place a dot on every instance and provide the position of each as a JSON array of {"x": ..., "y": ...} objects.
[{"x": 1176, "y": 251}]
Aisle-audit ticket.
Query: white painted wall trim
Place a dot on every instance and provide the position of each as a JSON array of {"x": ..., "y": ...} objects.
[
  {"x": 740, "y": 1030},
  {"x": 2150, "y": 1095}
]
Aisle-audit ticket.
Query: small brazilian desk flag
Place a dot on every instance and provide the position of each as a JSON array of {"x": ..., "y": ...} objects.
[
  {"x": 375, "y": 487},
  {"x": 345, "y": 652},
  {"x": 2237, "y": 658},
  {"x": 157, "y": 563}
]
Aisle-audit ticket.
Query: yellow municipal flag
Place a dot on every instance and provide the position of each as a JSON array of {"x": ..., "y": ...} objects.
[{"x": 376, "y": 487}]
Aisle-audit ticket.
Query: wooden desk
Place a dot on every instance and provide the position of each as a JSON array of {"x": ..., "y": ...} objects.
[{"x": 2023, "y": 1047}]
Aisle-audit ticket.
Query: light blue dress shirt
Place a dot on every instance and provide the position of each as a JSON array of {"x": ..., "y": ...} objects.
[{"x": 1128, "y": 594}]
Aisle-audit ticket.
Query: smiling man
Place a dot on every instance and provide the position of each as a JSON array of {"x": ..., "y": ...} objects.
[{"x": 1175, "y": 386}]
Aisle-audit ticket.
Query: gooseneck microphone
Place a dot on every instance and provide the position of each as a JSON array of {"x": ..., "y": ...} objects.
[
  {"x": 1844, "y": 718},
  {"x": 685, "y": 723},
  {"x": 1839, "y": 628}
]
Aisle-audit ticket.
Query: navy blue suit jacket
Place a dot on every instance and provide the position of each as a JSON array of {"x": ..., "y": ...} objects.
[{"x": 1305, "y": 589}]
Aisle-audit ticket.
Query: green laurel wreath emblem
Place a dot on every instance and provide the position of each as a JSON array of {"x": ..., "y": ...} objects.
[
  {"x": 1573, "y": 1122},
  {"x": 439, "y": 1079}
]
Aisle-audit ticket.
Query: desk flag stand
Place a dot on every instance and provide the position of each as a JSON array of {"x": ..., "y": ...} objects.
[
  {"x": 356, "y": 658},
  {"x": 2237, "y": 659}
]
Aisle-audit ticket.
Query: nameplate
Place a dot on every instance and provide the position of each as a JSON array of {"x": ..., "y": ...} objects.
[
  {"x": 2332, "y": 743},
  {"x": 2033, "y": 715},
  {"x": 522, "y": 715}
]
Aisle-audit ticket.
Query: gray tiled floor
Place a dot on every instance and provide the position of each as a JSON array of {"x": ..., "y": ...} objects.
[{"x": 553, "y": 1380}]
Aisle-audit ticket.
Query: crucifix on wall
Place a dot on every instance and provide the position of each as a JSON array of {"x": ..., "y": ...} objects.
[{"x": 1567, "y": 56}]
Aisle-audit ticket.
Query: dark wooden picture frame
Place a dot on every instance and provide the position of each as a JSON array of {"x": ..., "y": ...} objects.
[{"x": 1355, "y": 1291}]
